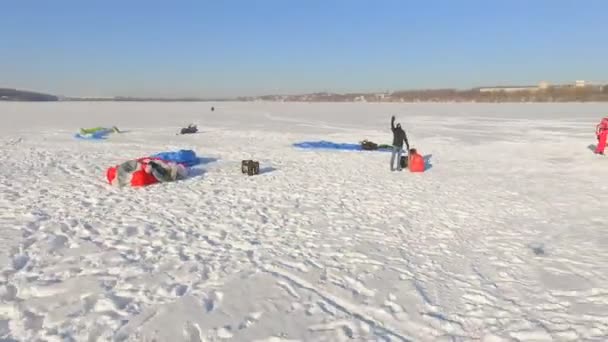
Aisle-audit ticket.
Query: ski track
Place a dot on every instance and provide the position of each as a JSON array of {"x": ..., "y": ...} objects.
[{"x": 503, "y": 239}]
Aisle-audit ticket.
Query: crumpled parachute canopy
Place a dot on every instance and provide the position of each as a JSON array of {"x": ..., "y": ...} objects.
[
  {"x": 145, "y": 171},
  {"x": 96, "y": 133},
  {"x": 186, "y": 157}
]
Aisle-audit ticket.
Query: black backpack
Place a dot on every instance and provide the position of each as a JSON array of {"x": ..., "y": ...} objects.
[{"x": 368, "y": 145}]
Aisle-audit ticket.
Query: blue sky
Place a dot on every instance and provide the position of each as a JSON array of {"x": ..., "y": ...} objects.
[{"x": 232, "y": 48}]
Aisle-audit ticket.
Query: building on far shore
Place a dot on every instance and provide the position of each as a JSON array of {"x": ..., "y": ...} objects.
[
  {"x": 543, "y": 85},
  {"x": 507, "y": 89}
]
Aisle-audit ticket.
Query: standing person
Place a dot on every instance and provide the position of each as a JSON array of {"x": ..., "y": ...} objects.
[
  {"x": 399, "y": 137},
  {"x": 601, "y": 131}
]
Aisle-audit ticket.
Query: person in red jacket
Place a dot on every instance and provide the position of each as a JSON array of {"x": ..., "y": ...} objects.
[
  {"x": 601, "y": 131},
  {"x": 416, "y": 162}
]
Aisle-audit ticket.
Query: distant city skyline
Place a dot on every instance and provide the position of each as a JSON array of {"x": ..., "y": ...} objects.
[{"x": 244, "y": 48}]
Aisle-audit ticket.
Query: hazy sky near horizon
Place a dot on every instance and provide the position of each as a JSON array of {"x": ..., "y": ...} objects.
[{"x": 248, "y": 47}]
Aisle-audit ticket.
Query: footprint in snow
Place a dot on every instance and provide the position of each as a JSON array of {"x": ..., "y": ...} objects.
[
  {"x": 119, "y": 301},
  {"x": 180, "y": 290},
  {"x": 20, "y": 261},
  {"x": 8, "y": 292},
  {"x": 32, "y": 321},
  {"x": 131, "y": 231},
  {"x": 537, "y": 248},
  {"x": 192, "y": 332},
  {"x": 212, "y": 301},
  {"x": 250, "y": 320},
  {"x": 33, "y": 226},
  {"x": 224, "y": 333},
  {"x": 57, "y": 242}
]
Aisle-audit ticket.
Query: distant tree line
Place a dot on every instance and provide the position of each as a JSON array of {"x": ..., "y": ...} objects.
[
  {"x": 551, "y": 94},
  {"x": 141, "y": 99},
  {"x": 145, "y": 99},
  {"x": 20, "y": 95}
]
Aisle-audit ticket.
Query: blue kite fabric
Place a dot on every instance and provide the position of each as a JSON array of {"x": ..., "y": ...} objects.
[
  {"x": 98, "y": 135},
  {"x": 186, "y": 157},
  {"x": 328, "y": 145}
]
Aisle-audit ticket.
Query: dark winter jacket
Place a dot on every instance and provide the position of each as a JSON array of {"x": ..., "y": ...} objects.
[{"x": 399, "y": 136}]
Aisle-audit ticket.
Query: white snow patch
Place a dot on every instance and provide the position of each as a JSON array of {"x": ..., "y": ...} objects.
[{"x": 502, "y": 238}]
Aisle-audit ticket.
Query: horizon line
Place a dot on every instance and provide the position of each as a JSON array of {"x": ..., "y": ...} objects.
[{"x": 215, "y": 98}]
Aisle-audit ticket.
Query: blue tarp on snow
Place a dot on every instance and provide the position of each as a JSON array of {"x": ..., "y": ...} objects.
[
  {"x": 186, "y": 157},
  {"x": 328, "y": 145},
  {"x": 99, "y": 135}
]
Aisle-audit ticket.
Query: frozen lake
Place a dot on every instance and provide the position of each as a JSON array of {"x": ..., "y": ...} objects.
[{"x": 503, "y": 238}]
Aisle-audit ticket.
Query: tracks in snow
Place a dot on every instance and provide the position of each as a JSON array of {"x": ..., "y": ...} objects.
[{"x": 329, "y": 244}]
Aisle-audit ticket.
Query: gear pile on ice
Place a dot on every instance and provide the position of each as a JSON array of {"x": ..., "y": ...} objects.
[
  {"x": 250, "y": 167},
  {"x": 161, "y": 167},
  {"x": 189, "y": 130},
  {"x": 145, "y": 171},
  {"x": 368, "y": 145}
]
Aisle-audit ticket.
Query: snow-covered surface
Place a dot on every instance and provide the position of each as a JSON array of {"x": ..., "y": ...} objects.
[{"x": 504, "y": 238}]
